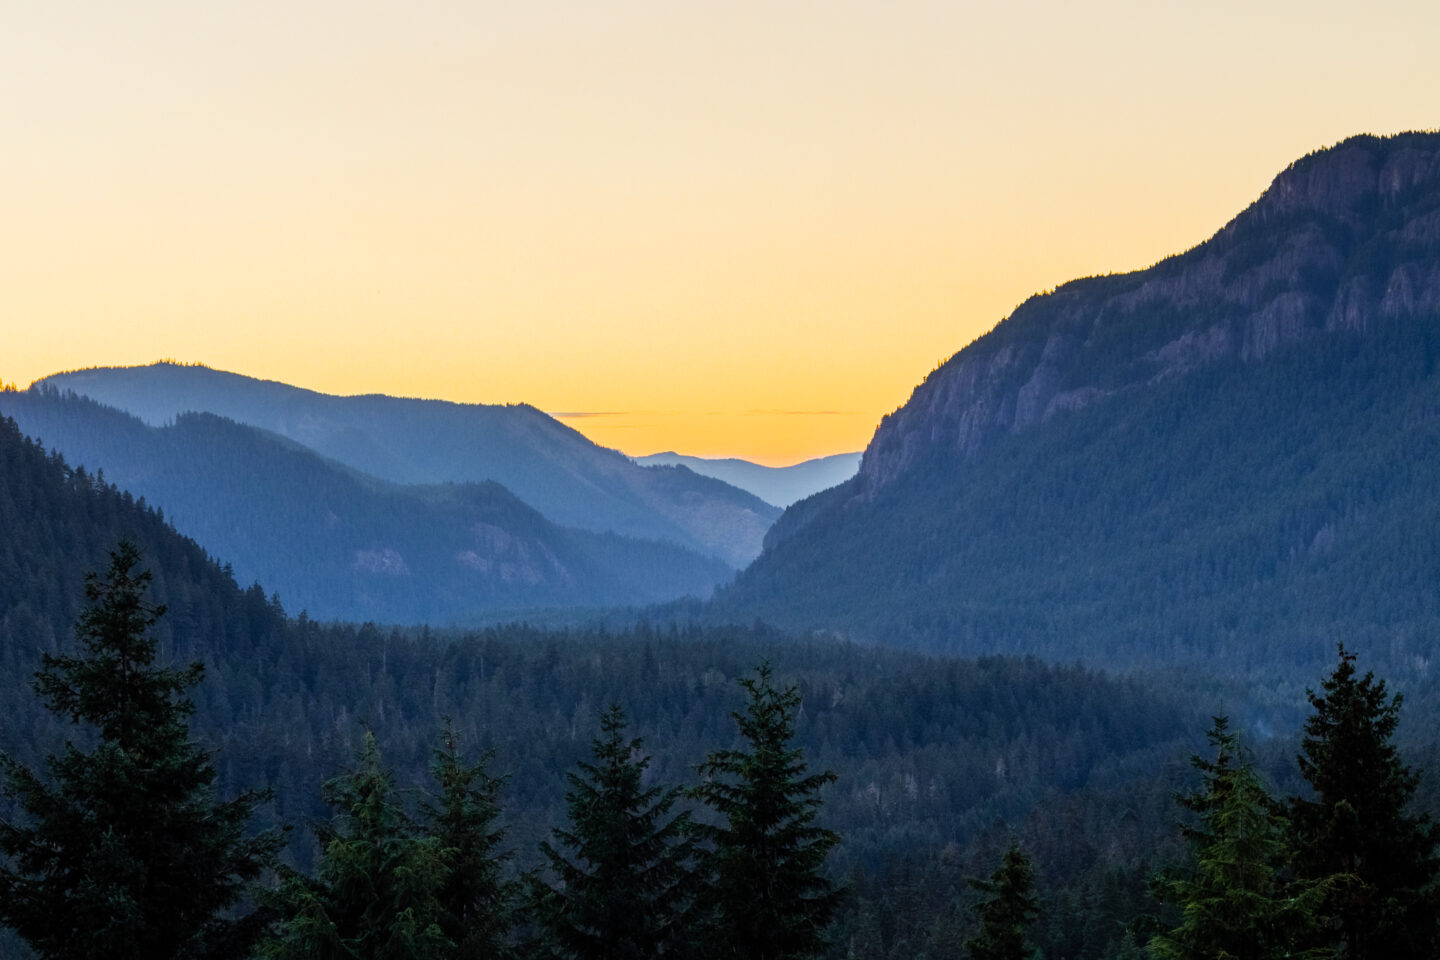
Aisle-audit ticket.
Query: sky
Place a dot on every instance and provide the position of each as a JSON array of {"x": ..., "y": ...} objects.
[{"x": 726, "y": 229}]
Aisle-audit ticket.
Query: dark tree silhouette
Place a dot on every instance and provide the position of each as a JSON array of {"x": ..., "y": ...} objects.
[
  {"x": 1235, "y": 901},
  {"x": 622, "y": 884},
  {"x": 1357, "y": 824},
  {"x": 765, "y": 890},
  {"x": 374, "y": 894},
  {"x": 124, "y": 851},
  {"x": 477, "y": 903},
  {"x": 1007, "y": 912}
]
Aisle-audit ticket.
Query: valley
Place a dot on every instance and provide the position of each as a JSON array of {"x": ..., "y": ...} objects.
[{"x": 1141, "y": 504}]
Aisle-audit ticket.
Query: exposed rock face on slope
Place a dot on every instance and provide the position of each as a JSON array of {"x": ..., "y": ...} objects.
[
  {"x": 1229, "y": 455},
  {"x": 1344, "y": 238},
  {"x": 554, "y": 469}
]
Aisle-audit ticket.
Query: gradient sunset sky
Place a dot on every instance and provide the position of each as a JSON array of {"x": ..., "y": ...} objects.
[{"x": 732, "y": 228}]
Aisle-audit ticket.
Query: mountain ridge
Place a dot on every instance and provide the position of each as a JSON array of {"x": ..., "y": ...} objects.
[
  {"x": 1229, "y": 454},
  {"x": 780, "y": 486},
  {"x": 556, "y": 470},
  {"x": 343, "y": 544},
  {"x": 1028, "y": 367}
]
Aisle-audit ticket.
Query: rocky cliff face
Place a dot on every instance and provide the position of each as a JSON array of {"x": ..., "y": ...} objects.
[
  {"x": 1226, "y": 459},
  {"x": 1345, "y": 238}
]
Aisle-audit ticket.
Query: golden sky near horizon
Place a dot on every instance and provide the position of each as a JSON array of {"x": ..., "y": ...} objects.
[{"x": 729, "y": 229}]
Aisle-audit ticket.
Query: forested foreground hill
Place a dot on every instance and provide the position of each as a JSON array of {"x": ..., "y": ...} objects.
[
  {"x": 344, "y": 545},
  {"x": 941, "y": 747},
  {"x": 932, "y": 755},
  {"x": 939, "y": 760},
  {"x": 1226, "y": 459}
]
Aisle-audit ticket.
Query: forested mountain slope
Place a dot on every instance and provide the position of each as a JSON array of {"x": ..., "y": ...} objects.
[
  {"x": 345, "y": 546},
  {"x": 1227, "y": 457},
  {"x": 547, "y": 465},
  {"x": 310, "y": 686},
  {"x": 939, "y": 759}
]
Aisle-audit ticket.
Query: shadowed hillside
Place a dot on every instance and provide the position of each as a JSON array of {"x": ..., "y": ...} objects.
[
  {"x": 930, "y": 753},
  {"x": 343, "y": 545}
]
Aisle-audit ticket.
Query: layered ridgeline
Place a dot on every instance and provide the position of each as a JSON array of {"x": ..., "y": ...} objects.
[
  {"x": 342, "y": 545},
  {"x": 554, "y": 469},
  {"x": 781, "y": 486},
  {"x": 931, "y": 754},
  {"x": 1231, "y": 454}
]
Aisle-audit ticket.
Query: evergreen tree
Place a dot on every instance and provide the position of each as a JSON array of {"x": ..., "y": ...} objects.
[
  {"x": 375, "y": 891},
  {"x": 765, "y": 890},
  {"x": 1128, "y": 948},
  {"x": 477, "y": 903},
  {"x": 1355, "y": 823},
  {"x": 623, "y": 886},
  {"x": 124, "y": 853},
  {"x": 1007, "y": 914},
  {"x": 1236, "y": 902}
]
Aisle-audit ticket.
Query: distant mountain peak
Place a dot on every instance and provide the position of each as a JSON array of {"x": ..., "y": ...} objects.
[{"x": 780, "y": 486}]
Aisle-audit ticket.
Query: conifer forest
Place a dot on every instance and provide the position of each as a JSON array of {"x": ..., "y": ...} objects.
[{"x": 726, "y": 803}]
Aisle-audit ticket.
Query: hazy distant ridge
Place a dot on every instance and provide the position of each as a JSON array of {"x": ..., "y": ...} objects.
[
  {"x": 549, "y": 466},
  {"x": 344, "y": 545},
  {"x": 780, "y": 486}
]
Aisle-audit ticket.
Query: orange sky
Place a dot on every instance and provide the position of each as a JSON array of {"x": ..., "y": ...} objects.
[{"x": 731, "y": 228}]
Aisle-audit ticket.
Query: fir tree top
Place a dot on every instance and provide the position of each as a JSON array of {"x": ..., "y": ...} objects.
[
  {"x": 125, "y": 854},
  {"x": 623, "y": 886},
  {"x": 767, "y": 891}
]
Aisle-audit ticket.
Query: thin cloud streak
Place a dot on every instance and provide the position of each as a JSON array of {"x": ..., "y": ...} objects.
[
  {"x": 589, "y": 414},
  {"x": 802, "y": 413}
]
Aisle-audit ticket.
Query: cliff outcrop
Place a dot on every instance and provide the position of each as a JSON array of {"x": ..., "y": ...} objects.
[
  {"x": 1226, "y": 459},
  {"x": 1342, "y": 239}
]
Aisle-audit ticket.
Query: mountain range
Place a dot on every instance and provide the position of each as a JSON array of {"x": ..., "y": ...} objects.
[
  {"x": 1228, "y": 458},
  {"x": 780, "y": 486},
  {"x": 552, "y": 468},
  {"x": 1221, "y": 465},
  {"x": 343, "y": 545},
  {"x": 933, "y": 753}
]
